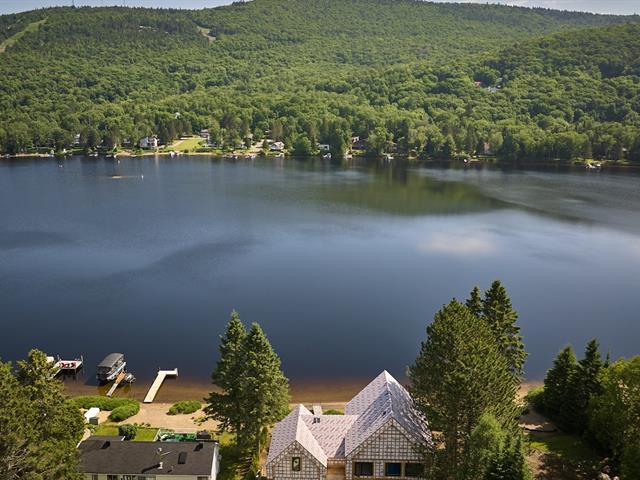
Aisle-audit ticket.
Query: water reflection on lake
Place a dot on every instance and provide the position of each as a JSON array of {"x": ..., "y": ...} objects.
[{"x": 342, "y": 265}]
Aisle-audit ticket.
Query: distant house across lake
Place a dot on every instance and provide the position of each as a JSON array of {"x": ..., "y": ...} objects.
[
  {"x": 380, "y": 435},
  {"x": 149, "y": 142}
]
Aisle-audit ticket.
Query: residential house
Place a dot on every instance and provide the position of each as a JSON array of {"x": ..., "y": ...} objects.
[
  {"x": 358, "y": 143},
  {"x": 324, "y": 147},
  {"x": 276, "y": 146},
  {"x": 381, "y": 435},
  {"x": 149, "y": 142},
  {"x": 111, "y": 458}
]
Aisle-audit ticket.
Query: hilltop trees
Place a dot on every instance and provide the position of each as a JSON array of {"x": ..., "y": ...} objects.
[
  {"x": 254, "y": 391},
  {"x": 39, "y": 428},
  {"x": 539, "y": 99}
]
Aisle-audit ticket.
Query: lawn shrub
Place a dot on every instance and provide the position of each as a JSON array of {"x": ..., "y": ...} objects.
[
  {"x": 185, "y": 407},
  {"x": 103, "y": 403},
  {"x": 128, "y": 431},
  {"x": 124, "y": 411}
]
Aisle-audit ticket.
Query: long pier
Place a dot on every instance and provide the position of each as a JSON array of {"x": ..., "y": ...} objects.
[{"x": 157, "y": 383}]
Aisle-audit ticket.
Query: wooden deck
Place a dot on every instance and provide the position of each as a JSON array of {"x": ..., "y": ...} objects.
[
  {"x": 157, "y": 383},
  {"x": 116, "y": 383}
]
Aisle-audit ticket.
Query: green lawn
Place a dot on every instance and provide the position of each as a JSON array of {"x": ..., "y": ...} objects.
[
  {"x": 186, "y": 144},
  {"x": 144, "y": 434},
  {"x": 32, "y": 27},
  {"x": 565, "y": 457}
]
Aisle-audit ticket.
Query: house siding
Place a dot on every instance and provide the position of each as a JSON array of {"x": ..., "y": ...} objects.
[
  {"x": 311, "y": 469},
  {"x": 388, "y": 444},
  {"x": 103, "y": 476}
]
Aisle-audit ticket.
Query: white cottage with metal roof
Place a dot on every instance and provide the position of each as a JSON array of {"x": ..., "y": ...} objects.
[{"x": 381, "y": 435}]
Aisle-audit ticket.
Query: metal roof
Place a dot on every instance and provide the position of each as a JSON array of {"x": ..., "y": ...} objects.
[
  {"x": 110, "y": 360},
  {"x": 336, "y": 436}
]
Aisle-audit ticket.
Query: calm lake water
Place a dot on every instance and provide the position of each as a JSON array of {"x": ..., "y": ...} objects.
[{"x": 343, "y": 266}]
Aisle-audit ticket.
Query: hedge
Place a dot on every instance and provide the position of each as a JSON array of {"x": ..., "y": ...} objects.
[
  {"x": 185, "y": 406},
  {"x": 123, "y": 412}
]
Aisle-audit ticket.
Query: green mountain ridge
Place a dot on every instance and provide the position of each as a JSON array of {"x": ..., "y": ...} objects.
[{"x": 400, "y": 73}]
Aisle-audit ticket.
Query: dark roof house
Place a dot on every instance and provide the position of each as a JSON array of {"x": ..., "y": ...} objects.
[{"x": 105, "y": 459}]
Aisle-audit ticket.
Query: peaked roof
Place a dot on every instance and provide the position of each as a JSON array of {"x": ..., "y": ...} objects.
[
  {"x": 336, "y": 436},
  {"x": 294, "y": 429},
  {"x": 383, "y": 399}
]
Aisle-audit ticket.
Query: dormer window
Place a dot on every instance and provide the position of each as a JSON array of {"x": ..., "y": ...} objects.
[{"x": 296, "y": 464}]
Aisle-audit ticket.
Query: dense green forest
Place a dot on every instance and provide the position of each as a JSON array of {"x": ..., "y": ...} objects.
[{"x": 425, "y": 79}]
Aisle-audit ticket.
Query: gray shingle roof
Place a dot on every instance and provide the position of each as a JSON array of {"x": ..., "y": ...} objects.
[
  {"x": 336, "y": 436},
  {"x": 383, "y": 399},
  {"x": 142, "y": 458}
]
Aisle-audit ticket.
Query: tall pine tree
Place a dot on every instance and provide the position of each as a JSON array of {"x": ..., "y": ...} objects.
[
  {"x": 585, "y": 385},
  {"x": 225, "y": 406},
  {"x": 501, "y": 318},
  {"x": 254, "y": 391},
  {"x": 266, "y": 389},
  {"x": 558, "y": 387},
  {"x": 459, "y": 375}
]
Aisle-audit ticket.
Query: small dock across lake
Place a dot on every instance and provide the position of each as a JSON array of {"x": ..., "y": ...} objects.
[{"x": 157, "y": 383}]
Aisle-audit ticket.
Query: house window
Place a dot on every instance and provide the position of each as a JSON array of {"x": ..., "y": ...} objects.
[
  {"x": 393, "y": 469},
  {"x": 296, "y": 464},
  {"x": 363, "y": 469},
  {"x": 415, "y": 470},
  {"x": 112, "y": 477},
  {"x": 128, "y": 477},
  {"x": 94, "y": 477}
]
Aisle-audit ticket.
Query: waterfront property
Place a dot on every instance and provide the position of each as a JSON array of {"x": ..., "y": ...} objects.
[
  {"x": 111, "y": 458},
  {"x": 381, "y": 434}
]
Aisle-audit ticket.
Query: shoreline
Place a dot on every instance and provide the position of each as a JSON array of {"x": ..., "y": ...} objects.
[
  {"x": 327, "y": 392},
  {"x": 605, "y": 165}
]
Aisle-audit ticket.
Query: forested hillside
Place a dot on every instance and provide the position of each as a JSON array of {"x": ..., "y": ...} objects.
[{"x": 426, "y": 79}]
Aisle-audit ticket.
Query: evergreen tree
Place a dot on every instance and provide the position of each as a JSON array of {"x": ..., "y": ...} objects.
[
  {"x": 254, "y": 391},
  {"x": 474, "y": 302},
  {"x": 485, "y": 443},
  {"x": 39, "y": 428},
  {"x": 266, "y": 389},
  {"x": 501, "y": 317},
  {"x": 558, "y": 385},
  {"x": 510, "y": 463},
  {"x": 226, "y": 406},
  {"x": 459, "y": 375},
  {"x": 585, "y": 385}
]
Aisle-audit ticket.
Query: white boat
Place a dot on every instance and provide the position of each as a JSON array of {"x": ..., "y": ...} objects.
[{"x": 110, "y": 367}]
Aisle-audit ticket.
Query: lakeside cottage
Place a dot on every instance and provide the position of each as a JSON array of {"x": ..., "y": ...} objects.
[
  {"x": 149, "y": 142},
  {"x": 276, "y": 146},
  {"x": 380, "y": 435},
  {"x": 112, "y": 458}
]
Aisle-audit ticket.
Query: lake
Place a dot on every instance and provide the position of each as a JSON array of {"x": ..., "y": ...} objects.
[{"x": 343, "y": 266}]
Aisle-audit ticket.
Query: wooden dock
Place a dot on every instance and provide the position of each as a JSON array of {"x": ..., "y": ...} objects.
[
  {"x": 116, "y": 383},
  {"x": 157, "y": 383}
]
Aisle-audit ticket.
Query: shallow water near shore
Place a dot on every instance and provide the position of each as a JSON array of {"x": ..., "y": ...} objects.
[{"x": 343, "y": 265}]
